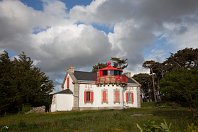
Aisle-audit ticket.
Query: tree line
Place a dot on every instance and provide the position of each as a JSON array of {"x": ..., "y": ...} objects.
[
  {"x": 22, "y": 83},
  {"x": 175, "y": 79}
]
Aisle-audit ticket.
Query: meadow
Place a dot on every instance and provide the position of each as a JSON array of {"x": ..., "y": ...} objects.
[{"x": 125, "y": 120}]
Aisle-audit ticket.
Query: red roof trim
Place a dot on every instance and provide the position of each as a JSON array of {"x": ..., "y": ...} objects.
[{"x": 110, "y": 68}]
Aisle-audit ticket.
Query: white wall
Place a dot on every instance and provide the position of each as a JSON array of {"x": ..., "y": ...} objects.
[
  {"x": 98, "y": 96},
  {"x": 53, "y": 105},
  {"x": 134, "y": 90},
  {"x": 71, "y": 85},
  {"x": 62, "y": 102}
]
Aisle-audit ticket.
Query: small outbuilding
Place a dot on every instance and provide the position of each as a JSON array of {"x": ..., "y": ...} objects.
[{"x": 62, "y": 101}]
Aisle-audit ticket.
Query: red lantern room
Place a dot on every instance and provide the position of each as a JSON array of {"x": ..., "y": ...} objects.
[{"x": 111, "y": 75}]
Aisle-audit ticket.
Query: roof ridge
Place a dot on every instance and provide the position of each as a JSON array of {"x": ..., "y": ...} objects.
[{"x": 84, "y": 71}]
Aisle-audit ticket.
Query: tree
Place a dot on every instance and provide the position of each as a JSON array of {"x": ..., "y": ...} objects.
[
  {"x": 119, "y": 63},
  {"x": 181, "y": 86},
  {"x": 34, "y": 83},
  {"x": 150, "y": 64},
  {"x": 98, "y": 66},
  {"x": 7, "y": 91},
  {"x": 183, "y": 59},
  {"x": 146, "y": 85},
  {"x": 22, "y": 83}
]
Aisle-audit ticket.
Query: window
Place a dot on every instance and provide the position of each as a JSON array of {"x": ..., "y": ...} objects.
[
  {"x": 105, "y": 73},
  {"x": 104, "y": 96},
  {"x": 88, "y": 96},
  {"x": 116, "y": 96},
  {"x": 117, "y": 72},
  {"x": 67, "y": 82},
  {"x": 111, "y": 72},
  {"x": 129, "y": 97}
]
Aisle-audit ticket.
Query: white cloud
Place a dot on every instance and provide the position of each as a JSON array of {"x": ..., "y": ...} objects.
[
  {"x": 63, "y": 42},
  {"x": 129, "y": 41},
  {"x": 1, "y": 51},
  {"x": 187, "y": 39},
  {"x": 72, "y": 44},
  {"x": 52, "y": 37},
  {"x": 103, "y": 11},
  {"x": 158, "y": 55}
]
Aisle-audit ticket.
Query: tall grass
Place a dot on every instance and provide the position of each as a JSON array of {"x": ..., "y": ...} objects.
[{"x": 97, "y": 121}]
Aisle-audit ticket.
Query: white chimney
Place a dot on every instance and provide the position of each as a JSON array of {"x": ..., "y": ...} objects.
[
  {"x": 128, "y": 74},
  {"x": 71, "y": 69}
]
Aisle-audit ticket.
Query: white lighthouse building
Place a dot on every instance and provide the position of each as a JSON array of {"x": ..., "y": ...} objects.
[{"x": 106, "y": 89}]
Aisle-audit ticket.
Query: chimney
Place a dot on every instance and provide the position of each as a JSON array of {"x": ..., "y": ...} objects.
[
  {"x": 70, "y": 69},
  {"x": 128, "y": 74}
]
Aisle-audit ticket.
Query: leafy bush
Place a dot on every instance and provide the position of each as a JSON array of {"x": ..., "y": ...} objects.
[{"x": 152, "y": 126}]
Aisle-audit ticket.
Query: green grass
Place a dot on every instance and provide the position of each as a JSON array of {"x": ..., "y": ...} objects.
[{"x": 97, "y": 121}]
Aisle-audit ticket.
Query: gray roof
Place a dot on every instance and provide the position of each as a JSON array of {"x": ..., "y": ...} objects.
[
  {"x": 92, "y": 76},
  {"x": 131, "y": 80},
  {"x": 87, "y": 76},
  {"x": 66, "y": 91}
]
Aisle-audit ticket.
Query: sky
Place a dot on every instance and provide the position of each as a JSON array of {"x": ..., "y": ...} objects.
[{"x": 81, "y": 33}]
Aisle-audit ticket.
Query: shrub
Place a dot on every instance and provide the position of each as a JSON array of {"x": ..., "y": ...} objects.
[{"x": 152, "y": 126}]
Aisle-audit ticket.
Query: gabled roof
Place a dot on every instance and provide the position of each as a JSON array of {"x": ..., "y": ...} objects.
[
  {"x": 131, "y": 80},
  {"x": 86, "y": 76},
  {"x": 66, "y": 91}
]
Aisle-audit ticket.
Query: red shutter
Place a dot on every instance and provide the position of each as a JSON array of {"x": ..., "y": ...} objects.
[
  {"x": 114, "y": 96},
  {"x": 85, "y": 97},
  {"x": 92, "y": 97},
  {"x": 104, "y": 95},
  {"x": 132, "y": 98},
  {"x": 127, "y": 97},
  {"x": 117, "y": 96},
  {"x": 67, "y": 82}
]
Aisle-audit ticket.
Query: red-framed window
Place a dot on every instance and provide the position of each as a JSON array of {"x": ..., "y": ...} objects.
[
  {"x": 104, "y": 96},
  {"x": 68, "y": 82},
  {"x": 129, "y": 97},
  {"x": 116, "y": 96},
  {"x": 88, "y": 96}
]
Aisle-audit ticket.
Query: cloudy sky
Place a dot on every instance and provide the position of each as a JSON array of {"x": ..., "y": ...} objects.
[{"x": 81, "y": 33}]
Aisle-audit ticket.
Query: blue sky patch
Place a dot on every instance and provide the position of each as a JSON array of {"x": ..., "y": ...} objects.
[
  {"x": 11, "y": 53},
  {"x": 35, "y": 4},
  {"x": 38, "y": 4},
  {"x": 37, "y": 30},
  {"x": 107, "y": 29}
]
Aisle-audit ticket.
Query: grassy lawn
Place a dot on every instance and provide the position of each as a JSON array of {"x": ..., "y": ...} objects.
[{"x": 97, "y": 121}]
